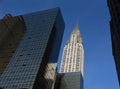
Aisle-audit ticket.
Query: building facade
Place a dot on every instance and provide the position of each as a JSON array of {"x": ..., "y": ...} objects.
[
  {"x": 72, "y": 63},
  {"x": 114, "y": 8},
  {"x": 33, "y": 63},
  {"x": 9, "y": 38}
]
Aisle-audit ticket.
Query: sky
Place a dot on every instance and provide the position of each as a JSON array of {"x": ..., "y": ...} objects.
[{"x": 93, "y": 19}]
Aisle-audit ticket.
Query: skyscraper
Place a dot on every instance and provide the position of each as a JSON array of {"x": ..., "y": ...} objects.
[
  {"x": 9, "y": 38},
  {"x": 72, "y": 63},
  {"x": 114, "y": 7},
  {"x": 33, "y": 63}
]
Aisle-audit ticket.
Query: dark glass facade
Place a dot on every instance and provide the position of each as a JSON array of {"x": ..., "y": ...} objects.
[
  {"x": 114, "y": 7},
  {"x": 33, "y": 64},
  {"x": 70, "y": 80}
]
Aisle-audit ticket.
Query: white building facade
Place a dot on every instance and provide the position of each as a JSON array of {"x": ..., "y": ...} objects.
[{"x": 72, "y": 63}]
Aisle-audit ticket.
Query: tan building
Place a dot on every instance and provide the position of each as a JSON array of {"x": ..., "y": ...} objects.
[{"x": 11, "y": 32}]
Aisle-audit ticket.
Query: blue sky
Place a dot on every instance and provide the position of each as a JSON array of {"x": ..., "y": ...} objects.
[{"x": 93, "y": 17}]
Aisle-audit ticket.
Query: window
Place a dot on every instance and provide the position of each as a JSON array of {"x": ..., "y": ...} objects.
[
  {"x": 24, "y": 65},
  {"x": 29, "y": 37},
  {"x": 21, "y": 55}
]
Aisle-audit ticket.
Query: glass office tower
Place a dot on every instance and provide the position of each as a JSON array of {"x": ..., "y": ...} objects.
[{"x": 33, "y": 64}]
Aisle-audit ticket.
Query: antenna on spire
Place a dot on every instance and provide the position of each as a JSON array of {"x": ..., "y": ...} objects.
[
  {"x": 77, "y": 21},
  {"x": 76, "y": 26}
]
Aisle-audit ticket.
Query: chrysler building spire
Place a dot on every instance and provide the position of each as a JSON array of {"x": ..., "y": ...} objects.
[
  {"x": 76, "y": 33},
  {"x": 73, "y": 60},
  {"x": 76, "y": 29},
  {"x": 73, "y": 54}
]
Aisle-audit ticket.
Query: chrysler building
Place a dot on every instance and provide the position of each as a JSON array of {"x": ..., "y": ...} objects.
[
  {"x": 73, "y": 54},
  {"x": 72, "y": 64}
]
